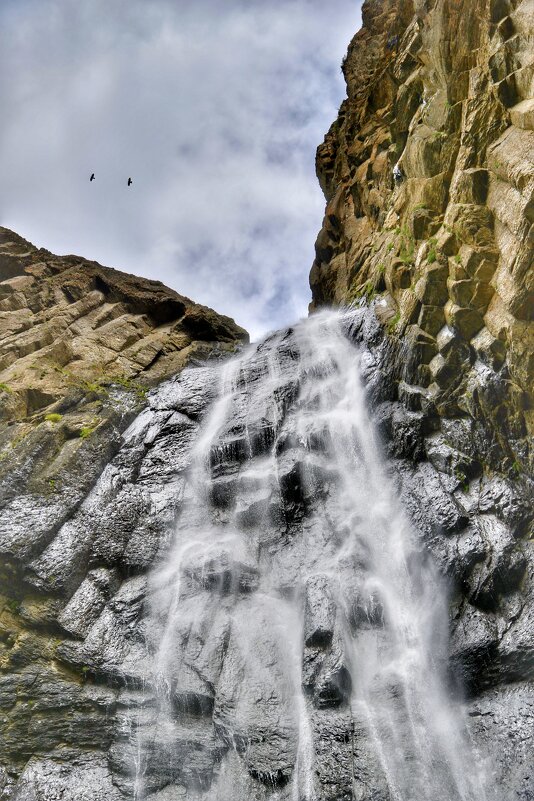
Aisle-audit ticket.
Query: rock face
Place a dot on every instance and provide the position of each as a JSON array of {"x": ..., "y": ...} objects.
[
  {"x": 428, "y": 173},
  {"x": 83, "y": 626},
  {"x": 66, "y": 321},
  {"x": 429, "y": 181},
  {"x": 80, "y": 345}
]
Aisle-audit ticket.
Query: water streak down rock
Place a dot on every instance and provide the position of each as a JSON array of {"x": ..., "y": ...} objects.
[
  {"x": 144, "y": 652},
  {"x": 299, "y": 606},
  {"x": 292, "y": 637}
]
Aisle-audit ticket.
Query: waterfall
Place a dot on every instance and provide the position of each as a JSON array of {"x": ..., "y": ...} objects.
[{"x": 296, "y": 597}]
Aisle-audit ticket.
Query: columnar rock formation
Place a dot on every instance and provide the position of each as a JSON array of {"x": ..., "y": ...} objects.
[
  {"x": 428, "y": 173},
  {"x": 429, "y": 181}
]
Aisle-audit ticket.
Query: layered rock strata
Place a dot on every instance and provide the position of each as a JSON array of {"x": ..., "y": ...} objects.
[{"x": 80, "y": 344}]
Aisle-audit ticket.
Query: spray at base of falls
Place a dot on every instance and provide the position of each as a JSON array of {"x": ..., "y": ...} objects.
[{"x": 295, "y": 587}]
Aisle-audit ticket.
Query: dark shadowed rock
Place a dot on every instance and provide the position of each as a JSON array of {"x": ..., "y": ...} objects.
[{"x": 427, "y": 175}]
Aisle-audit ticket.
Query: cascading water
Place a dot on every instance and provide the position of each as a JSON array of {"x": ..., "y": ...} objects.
[{"x": 294, "y": 592}]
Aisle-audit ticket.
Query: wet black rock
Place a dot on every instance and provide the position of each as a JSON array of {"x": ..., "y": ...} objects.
[
  {"x": 320, "y": 612},
  {"x": 78, "y": 638}
]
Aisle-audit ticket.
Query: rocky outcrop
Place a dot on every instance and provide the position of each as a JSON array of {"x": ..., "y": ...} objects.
[
  {"x": 80, "y": 346},
  {"x": 66, "y": 321},
  {"x": 428, "y": 178},
  {"x": 428, "y": 173}
]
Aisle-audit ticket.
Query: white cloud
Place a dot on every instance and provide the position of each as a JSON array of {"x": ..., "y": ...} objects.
[{"x": 214, "y": 108}]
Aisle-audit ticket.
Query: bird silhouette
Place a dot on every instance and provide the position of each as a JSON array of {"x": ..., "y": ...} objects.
[
  {"x": 92, "y": 178},
  {"x": 129, "y": 181}
]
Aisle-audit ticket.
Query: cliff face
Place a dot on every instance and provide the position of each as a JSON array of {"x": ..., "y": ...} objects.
[
  {"x": 428, "y": 173},
  {"x": 429, "y": 182},
  {"x": 80, "y": 345},
  {"x": 65, "y": 320}
]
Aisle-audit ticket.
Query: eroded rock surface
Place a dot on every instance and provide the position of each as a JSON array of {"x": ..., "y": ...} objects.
[
  {"x": 80, "y": 711},
  {"x": 429, "y": 178},
  {"x": 80, "y": 346}
]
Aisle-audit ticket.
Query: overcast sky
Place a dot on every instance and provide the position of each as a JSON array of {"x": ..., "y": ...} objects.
[{"x": 214, "y": 107}]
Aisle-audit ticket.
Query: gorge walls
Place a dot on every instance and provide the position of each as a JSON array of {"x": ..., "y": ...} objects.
[
  {"x": 109, "y": 386},
  {"x": 80, "y": 346},
  {"x": 429, "y": 180}
]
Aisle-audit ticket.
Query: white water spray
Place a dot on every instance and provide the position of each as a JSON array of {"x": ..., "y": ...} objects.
[{"x": 288, "y": 484}]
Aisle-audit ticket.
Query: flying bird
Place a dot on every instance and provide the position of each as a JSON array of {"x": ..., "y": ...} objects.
[
  {"x": 129, "y": 181},
  {"x": 92, "y": 178}
]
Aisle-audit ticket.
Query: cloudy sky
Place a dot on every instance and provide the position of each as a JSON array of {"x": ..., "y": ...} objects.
[{"x": 214, "y": 107}]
